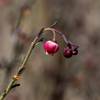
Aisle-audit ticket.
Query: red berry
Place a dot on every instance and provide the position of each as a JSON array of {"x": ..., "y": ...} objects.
[
  {"x": 67, "y": 52},
  {"x": 51, "y": 47}
]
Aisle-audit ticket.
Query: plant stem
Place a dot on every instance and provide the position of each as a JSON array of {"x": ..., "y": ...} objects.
[
  {"x": 16, "y": 77},
  {"x": 22, "y": 67}
]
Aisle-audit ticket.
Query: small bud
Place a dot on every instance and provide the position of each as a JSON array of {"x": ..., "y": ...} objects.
[
  {"x": 75, "y": 52},
  {"x": 51, "y": 47},
  {"x": 74, "y": 48},
  {"x": 16, "y": 77}
]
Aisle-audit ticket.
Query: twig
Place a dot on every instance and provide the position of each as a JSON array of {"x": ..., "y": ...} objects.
[{"x": 22, "y": 67}]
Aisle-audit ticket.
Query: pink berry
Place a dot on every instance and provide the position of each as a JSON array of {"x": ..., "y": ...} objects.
[
  {"x": 51, "y": 47},
  {"x": 67, "y": 52}
]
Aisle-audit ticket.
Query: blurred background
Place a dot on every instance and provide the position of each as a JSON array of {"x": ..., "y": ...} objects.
[{"x": 51, "y": 77}]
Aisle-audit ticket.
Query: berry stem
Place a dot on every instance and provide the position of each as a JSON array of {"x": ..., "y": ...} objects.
[
  {"x": 57, "y": 31},
  {"x": 53, "y": 31}
]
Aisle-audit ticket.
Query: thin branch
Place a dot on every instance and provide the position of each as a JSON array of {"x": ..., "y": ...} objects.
[{"x": 22, "y": 67}]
